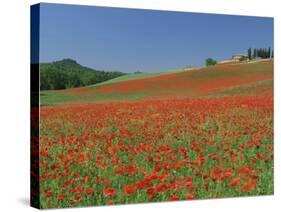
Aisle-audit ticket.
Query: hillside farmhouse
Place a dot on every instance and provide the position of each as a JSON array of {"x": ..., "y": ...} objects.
[
  {"x": 239, "y": 57},
  {"x": 235, "y": 59}
]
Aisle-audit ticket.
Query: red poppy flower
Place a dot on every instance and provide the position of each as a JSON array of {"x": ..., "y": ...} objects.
[
  {"x": 48, "y": 192},
  {"x": 60, "y": 197},
  {"x": 189, "y": 196},
  {"x": 76, "y": 199},
  {"x": 129, "y": 189},
  {"x": 174, "y": 197},
  {"x": 109, "y": 192},
  {"x": 90, "y": 191},
  {"x": 160, "y": 188},
  {"x": 248, "y": 186},
  {"x": 234, "y": 182}
]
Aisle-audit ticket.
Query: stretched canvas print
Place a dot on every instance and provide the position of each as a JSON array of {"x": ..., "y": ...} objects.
[{"x": 138, "y": 106}]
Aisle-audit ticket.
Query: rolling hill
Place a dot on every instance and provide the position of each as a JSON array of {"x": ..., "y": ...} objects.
[
  {"x": 136, "y": 76},
  {"x": 67, "y": 73},
  {"x": 214, "y": 81}
]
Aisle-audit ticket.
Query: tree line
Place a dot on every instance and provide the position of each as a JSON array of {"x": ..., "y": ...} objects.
[
  {"x": 67, "y": 73},
  {"x": 260, "y": 53}
]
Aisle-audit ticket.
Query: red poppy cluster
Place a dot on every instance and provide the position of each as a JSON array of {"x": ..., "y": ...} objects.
[{"x": 112, "y": 153}]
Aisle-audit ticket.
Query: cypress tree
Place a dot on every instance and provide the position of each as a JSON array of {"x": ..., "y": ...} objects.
[
  {"x": 250, "y": 53},
  {"x": 255, "y": 53},
  {"x": 268, "y": 52}
]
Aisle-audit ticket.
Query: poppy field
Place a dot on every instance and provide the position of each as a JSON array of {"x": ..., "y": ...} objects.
[{"x": 195, "y": 135}]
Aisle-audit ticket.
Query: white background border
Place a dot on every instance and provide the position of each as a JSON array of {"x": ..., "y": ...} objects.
[{"x": 14, "y": 106}]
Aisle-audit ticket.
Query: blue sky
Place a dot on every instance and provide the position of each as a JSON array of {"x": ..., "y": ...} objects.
[{"x": 145, "y": 40}]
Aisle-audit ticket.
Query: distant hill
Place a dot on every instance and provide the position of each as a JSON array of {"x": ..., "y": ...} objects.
[{"x": 67, "y": 73}]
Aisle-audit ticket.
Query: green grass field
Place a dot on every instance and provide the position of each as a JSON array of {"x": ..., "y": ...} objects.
[{"x": 135, "y": 76}]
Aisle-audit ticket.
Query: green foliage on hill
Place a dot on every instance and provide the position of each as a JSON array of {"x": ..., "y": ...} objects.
[
  {"x": 67, "y": 73},
  {"x": 210, "y": 62}
]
